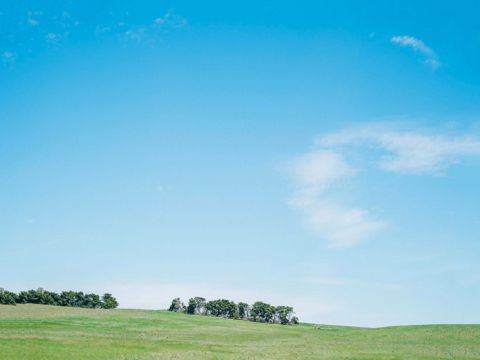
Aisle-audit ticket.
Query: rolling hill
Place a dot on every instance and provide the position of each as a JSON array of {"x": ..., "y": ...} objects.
[{"x": 35, "y": 332}]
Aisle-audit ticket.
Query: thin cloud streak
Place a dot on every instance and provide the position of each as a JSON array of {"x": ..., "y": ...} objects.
[{"x": 419, "y": 46}]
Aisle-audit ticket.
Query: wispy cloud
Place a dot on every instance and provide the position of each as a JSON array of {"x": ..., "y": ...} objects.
[
  {"x": 53, "y": 38},
  {"x": 53, "y": 29},
  {"x": 407, "y": 152},
  {"x": 170, "y": 18},
  {"x": 419, "y": 46},
  {"x": 151, "y": 33},
  {"x": 33, "y": 18},
  {"x": 315, "y": 175},
  {"x": 322, "y": 175},
  {"x": 102, "y": 29},
  {"x": 8, "y": 57},
  {"x": 33, "y": 22},
  {"x": 135, "y": 33}
]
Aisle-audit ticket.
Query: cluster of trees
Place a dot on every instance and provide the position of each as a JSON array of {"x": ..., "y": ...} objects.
[
  {"x": 259, "y": 311},
  {"x": 65, "y": 298}
]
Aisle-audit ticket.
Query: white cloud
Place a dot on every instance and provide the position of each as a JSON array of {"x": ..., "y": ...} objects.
[
  {"x": 408, "y": 152},
  {"x": 315, "y": 174},
  {"x": 419, "y": 46},
  {"x": 321, "y": 177},
  {"x": 342, "y": 226}
]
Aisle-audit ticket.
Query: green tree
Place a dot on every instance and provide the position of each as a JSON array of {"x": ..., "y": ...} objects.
[
  {"x": 67, "y": 298},
  {"x": 55, "y": 298},
  {"x": 109, "y": 302},
  {"x": 7, "y": 297},
  {"x": 262, "y": 312},
  {"x": 79, "y": 299},
  {"x": 223, "y": 308},
  {"x": 259, "y": 311},
  {"x": 38, "y": 296},
  {"x": 192, "y": 306},
  {"x": 92, "y": 301},
  {"x": 200, "y": 303},
  {"x": 196, "y": 305},
  {"x": 176, "y": 305},
  {"x": 283, "y": 314},
  {"x": 243, "y": 310}
]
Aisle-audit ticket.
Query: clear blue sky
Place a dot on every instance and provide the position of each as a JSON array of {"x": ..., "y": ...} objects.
[{"x": 324, "y": 155}]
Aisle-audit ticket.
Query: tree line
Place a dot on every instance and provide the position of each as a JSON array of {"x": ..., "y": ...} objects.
[
  {"x": 258, "y": 312},
  {"x": 65, "y": 298}
]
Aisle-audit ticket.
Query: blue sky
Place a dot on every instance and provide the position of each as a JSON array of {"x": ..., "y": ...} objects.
[{"x": 324, "y": 155}]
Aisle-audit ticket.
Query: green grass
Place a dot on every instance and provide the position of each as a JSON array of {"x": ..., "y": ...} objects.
[{"x": 47, "y": 332}]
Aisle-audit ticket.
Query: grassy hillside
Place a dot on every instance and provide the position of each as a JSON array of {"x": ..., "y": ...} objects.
[{"x": 46, "y": 332}]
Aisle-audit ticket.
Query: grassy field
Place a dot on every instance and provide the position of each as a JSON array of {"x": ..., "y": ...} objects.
[{"x": 47, "y": 332}]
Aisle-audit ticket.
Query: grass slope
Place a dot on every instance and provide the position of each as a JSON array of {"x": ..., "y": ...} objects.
[{"x": 46, "y": 332}]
